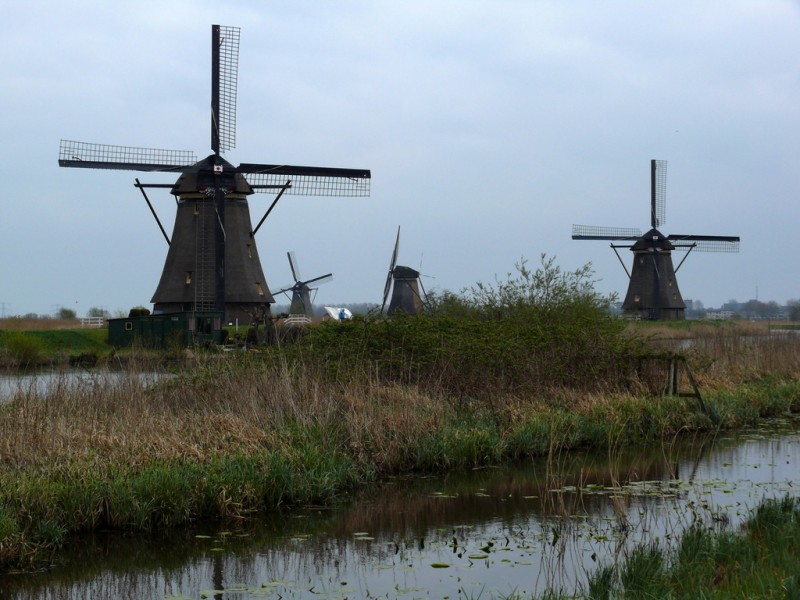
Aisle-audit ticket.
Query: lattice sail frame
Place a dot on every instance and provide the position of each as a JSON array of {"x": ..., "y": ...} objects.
[
  {"x": 125, "y": 158},
  {"x": 704, "y": 244},
  {"x": 309, "y": 185},
  {"x": 228, "y": 83},
  {"x": 660, "y": 193},
  {"x": 605, "y": 233}
]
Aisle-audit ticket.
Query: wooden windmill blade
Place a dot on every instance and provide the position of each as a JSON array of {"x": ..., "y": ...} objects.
[
  {"x": 321, "y": 280},
  {"x": 86, "y": 155},
  {"x": 307, "y": 181},
  {"x": 224, "y": 84},
  {"x": 592, "y": 232},
  {"x": 705, "y": 243},
  {"x": 658, "y": 193},
  {"x": 293, "y": 265},
  {"x": 392, "y": 264}
]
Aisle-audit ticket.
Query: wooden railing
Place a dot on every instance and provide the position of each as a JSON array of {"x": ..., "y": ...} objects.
[{"x": 96, "y": 322}]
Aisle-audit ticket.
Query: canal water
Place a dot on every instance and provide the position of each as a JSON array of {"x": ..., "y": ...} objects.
[
  {"x": 42, "y": 384},
  {"x": 485, "y": 533}
]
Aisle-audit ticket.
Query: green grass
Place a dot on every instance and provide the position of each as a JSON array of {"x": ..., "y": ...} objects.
[
  {"x": 527, "y": 366},
  {"x": 37, "y": 347},
  {"x": 761, "y": 561}
]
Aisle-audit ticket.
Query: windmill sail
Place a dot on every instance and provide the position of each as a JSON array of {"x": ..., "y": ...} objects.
[
  {"x": 301, "y": 290},
  {"x": 404, "y": 285},
  {"x": 212, "y": 261},
  {"x": 653, "y": 288}
]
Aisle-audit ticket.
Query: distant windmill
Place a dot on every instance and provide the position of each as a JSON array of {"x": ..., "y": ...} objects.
[
  {"x": 212, "y": 262},
  {"x": 405, "y": 285},
  {"x": 653, "y": 289},
  {"x": 301, "y": 290}
]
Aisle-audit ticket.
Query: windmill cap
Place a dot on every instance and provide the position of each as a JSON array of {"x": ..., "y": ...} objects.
[
  {"x": 653, "y": 239},
  {"x": 404, "y": 273},
  {"x": 199, "y": 176}
]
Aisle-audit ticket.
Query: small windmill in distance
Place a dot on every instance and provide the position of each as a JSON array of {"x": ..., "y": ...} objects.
[
  {"x": 301, "y": 290},
  {"x": 653, "y": 292},
  {"x": 405, "y": 285}
]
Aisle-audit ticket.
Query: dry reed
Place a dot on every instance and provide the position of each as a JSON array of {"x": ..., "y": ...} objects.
[
  {"x": 31, "y": 324},
  {"x": 221, "y": 408},
  {"x": 337, "y": 430}
]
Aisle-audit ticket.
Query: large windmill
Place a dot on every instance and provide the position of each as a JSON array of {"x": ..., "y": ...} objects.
[
  {"x": 212, "y": 262},
  {"x": 301, "y": 290},
  {"x": 653, "y": 289},
  {"x": 405, "y": 285}
]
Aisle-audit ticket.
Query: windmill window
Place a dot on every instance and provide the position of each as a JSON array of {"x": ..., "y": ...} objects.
[
  {"x": 641, "y": 260},
  {"x": 187, "y": 278},
  {"x": 196, "y": 208},
  {"x": 637, "y": 299},
  {"x": 260, "y": 291},
  {"x": 249, "y": 251}
]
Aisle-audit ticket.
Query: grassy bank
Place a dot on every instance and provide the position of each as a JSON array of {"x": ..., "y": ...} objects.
[
  {"x": 37, "y": 347},
  {"x": 760, "y": 561},
  {"x": 524, "y": 367},
  {"x": 230, "y": 439}
]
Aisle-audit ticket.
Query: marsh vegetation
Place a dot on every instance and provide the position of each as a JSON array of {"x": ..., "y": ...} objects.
[{"x": 531, "y": 365}]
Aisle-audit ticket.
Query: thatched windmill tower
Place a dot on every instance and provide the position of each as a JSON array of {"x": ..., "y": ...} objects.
[
  {"x": 213, "y": 262},
  {"x": 404, "y": 282},
  {"x": 653, "y": 289},
  {"x": 301, "y": 290}
]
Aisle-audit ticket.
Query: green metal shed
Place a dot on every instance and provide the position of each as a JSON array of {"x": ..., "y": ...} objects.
[{"x": 184, "y": 329}]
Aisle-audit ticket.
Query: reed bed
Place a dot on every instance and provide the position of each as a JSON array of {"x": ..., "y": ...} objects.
[
  {"x": 231, "y": 436},
  {"x": 37, "y": 324},
  {"x": 533, "y": 366}
]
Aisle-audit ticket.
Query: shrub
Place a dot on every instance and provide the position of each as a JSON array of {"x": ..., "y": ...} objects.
[
  {"x": 24, "y": 349},
  {"x": 533, "y": 331}
]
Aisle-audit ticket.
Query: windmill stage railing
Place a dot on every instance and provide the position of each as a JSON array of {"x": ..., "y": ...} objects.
[{"x": 95, "y": 322}]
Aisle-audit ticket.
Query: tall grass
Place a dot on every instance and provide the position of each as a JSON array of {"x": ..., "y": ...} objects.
[
  {"x": 36, "y": 347},
  {"x": 233, "y": 437},
  {"x": 758, "y": 562},
  {"x": 32, "y": 324},
  {"x": 24, "y": 349},
  {"x": 531, "y": 365},
  {"x": 536, "y": 330}
]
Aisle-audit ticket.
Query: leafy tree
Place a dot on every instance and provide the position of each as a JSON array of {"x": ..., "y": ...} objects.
[
  {"x": 138, "y": 311},
  {"x": 96, "y": 311},
  {"x": 546, "y": 288},
  {"x": 66, "y": 313},
  {"x": 794, "y": 310}
]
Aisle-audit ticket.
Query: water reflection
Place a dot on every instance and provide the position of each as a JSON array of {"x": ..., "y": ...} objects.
[
  {"x": 487, "y": 532},
  {"x": 42, "y": 384}
]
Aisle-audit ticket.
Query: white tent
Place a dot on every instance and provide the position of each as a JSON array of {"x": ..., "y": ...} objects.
[{"x": 338, "y": 313}]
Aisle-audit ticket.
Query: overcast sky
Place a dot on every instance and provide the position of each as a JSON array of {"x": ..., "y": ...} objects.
[{"x": 490, "y": 127}]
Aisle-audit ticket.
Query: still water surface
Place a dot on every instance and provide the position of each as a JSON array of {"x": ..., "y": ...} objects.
[
  {"x": 485, "y": 533},
  {"x": 41, "y": 384}
]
